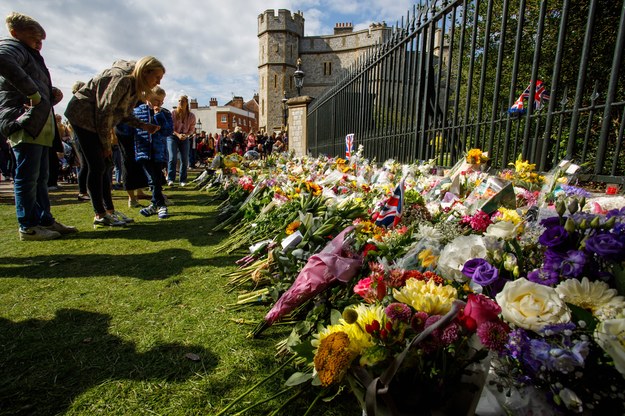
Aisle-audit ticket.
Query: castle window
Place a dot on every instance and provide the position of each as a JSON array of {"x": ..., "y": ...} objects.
[
  {"x": 290, "y": 83},
  {"x": 275, "y": 81},
  {"x": 262, "y": 106},
  {"x": 224, "y": 119},
  {"x": 327, "y": 68}
]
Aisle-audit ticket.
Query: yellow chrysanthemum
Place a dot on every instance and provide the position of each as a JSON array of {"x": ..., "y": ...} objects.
[
  {"x": 427, "y": 297},
  {"x": 596, "y": 297},
  {"x": 359, "y": 339}
]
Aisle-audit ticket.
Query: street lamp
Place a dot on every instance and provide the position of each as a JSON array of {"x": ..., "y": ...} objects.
[
  {"x": 284, "y": 112},
  {"x": 198, "y": 126},
  {"x": 299, "y": 77}
]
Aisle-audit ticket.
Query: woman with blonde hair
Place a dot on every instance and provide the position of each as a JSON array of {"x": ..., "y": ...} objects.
[
  {"x": 184, "y": 127},
  {"x": 106, "y": 100}
]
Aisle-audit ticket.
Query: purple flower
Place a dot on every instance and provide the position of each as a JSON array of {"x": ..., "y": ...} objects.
[
  {"x": 573, "y": 264},
  {"x": 480, "y": 271},
  {"x": 554, "y": 237},
  {"x": 543, "y": 276},
  {"x": 570, "y": 190},
  {"x": 551, "y": 222},
  {"x": 606, "y": 245},
  {"x": 398, "y": 312},
  {"x": 553, "y": 260},
  {"x": 615, "y": 213}
]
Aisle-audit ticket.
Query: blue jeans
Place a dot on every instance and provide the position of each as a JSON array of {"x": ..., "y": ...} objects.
[
  {"x": 32, "y": 204},
  {"x": 173, "y": 146},
  {"x": 154, "y": 170}
]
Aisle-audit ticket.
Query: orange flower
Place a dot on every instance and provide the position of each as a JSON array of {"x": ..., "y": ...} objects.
[
  {"x": 290, "y": 229},
  {"x": 333, "y": 358}
]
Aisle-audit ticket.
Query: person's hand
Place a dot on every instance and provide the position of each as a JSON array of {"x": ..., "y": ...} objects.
[
  {"x": 57, "y": 95},
  {"x": 151, "y": 128}
]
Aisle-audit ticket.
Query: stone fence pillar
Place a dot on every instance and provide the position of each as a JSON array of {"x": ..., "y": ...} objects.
[{"x": 298, "y": 108}]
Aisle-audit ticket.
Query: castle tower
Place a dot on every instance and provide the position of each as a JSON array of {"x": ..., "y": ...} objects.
[{"x": 279, "y": 34}]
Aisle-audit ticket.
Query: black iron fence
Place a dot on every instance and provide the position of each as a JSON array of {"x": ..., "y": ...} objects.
[{"x": 536, "y": 79}]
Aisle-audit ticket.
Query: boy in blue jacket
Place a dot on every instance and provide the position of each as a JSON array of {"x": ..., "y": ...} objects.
[{"x": 151, "y": 149}]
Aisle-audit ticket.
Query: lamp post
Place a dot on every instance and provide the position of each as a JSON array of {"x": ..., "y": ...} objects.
[
  {"x": 284, "y": 112},
  {"x": 299, "y": 77},
  {"x": 198, "y": 126}
]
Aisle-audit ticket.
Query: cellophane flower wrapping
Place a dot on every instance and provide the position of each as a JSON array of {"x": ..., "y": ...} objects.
[{"x": 335, "y": 263}]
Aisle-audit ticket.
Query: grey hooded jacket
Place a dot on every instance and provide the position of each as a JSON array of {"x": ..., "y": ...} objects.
[
  {"x": 106, "y": 100},
  {"x": 22, "y": 73}
]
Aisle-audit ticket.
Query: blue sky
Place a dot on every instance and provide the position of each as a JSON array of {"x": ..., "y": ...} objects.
[{"x": 210, "y": 48}]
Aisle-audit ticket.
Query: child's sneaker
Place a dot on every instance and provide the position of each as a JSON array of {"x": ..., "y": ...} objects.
[
  {"x": 162, "y": 213},
  {"x": 148, "y": 211},
  {"x": 107, "y": 221},
  {"x": 121, "y": 217}
]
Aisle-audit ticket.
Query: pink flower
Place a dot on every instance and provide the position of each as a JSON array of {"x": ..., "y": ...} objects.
[
  {"x": 363, "y": 287},
  {"x": 479, "y": 309},
  {"x": 494, "y": 335}
]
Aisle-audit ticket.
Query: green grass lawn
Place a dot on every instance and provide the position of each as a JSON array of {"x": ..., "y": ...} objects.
[{"x": 131, "y": 321}]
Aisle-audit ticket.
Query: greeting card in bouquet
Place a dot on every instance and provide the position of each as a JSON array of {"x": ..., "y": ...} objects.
[
  {"x": 491, "y": 194},
  {"x": 562, "y": 174}
]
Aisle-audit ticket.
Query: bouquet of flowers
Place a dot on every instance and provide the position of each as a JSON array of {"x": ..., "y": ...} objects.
[{"x": 568, "y": 315}]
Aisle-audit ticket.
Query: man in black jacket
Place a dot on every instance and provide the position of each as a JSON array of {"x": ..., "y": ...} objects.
[{"x": 27, "y": 120}]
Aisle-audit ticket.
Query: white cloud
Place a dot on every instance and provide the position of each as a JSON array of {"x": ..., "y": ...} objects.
[{"x": 210, "y": 49}]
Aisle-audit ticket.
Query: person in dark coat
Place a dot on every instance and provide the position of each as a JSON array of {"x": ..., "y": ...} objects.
[{"x": 27, "y": 121}]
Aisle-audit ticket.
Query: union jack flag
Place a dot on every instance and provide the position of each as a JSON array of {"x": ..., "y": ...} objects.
[
  {"x": 349, "y": 145},
  {"x": 390, "y": 214},
  {"x": 540, "y": 95}
]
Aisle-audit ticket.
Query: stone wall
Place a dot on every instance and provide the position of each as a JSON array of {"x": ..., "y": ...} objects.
[{"x": 298, "y": 142}]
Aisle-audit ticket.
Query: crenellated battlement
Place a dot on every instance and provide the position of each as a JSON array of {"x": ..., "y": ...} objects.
[{"x": 283, "y": 20}]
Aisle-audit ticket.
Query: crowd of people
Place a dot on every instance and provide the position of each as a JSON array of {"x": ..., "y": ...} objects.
[
  {"x": 116, "y": 135},
  {"x": 251, "y": 145}
]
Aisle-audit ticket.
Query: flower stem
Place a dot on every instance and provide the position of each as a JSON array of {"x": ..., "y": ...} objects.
[
  {"x": 283, "y": 405},
  {"x": 313, "y": 403},
  {"x": 248, "y": 391},
  {"x": 262, "y": 401}
]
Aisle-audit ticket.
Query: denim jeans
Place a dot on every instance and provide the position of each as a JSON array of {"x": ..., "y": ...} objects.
[
  {"x": 32, "y": 204},
  {"x": 154, "y": 170},
  {"x": 174, "y": 145}
]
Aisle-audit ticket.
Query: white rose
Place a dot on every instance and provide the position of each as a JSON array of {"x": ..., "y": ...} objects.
[
  {"x": 502, "y": 229},
  {"x": 457, "y": 252},
  {"x": 610, "y": 335},
  {"x": 531, "y": 305}
]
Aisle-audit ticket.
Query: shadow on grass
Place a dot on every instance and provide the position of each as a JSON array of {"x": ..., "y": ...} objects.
[
  {"x": 147, "y": 266},
  {"x": 46, "y": 364}
]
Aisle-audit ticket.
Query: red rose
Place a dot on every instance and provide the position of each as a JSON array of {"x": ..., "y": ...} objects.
[
  {"x": 481, "y": 309},
  {"x": 368, "y": 247}
]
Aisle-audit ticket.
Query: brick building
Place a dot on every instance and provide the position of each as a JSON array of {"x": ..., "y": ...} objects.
[
  {"x": 281, "y": 42},
  {"x": 236, "y": 112}
]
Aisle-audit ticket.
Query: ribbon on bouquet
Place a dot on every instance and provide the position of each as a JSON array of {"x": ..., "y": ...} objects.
[{"x": 540, "y": 95}]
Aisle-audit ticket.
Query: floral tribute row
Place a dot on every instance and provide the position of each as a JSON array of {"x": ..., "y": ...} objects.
[{"x": 407, "y": 287}]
